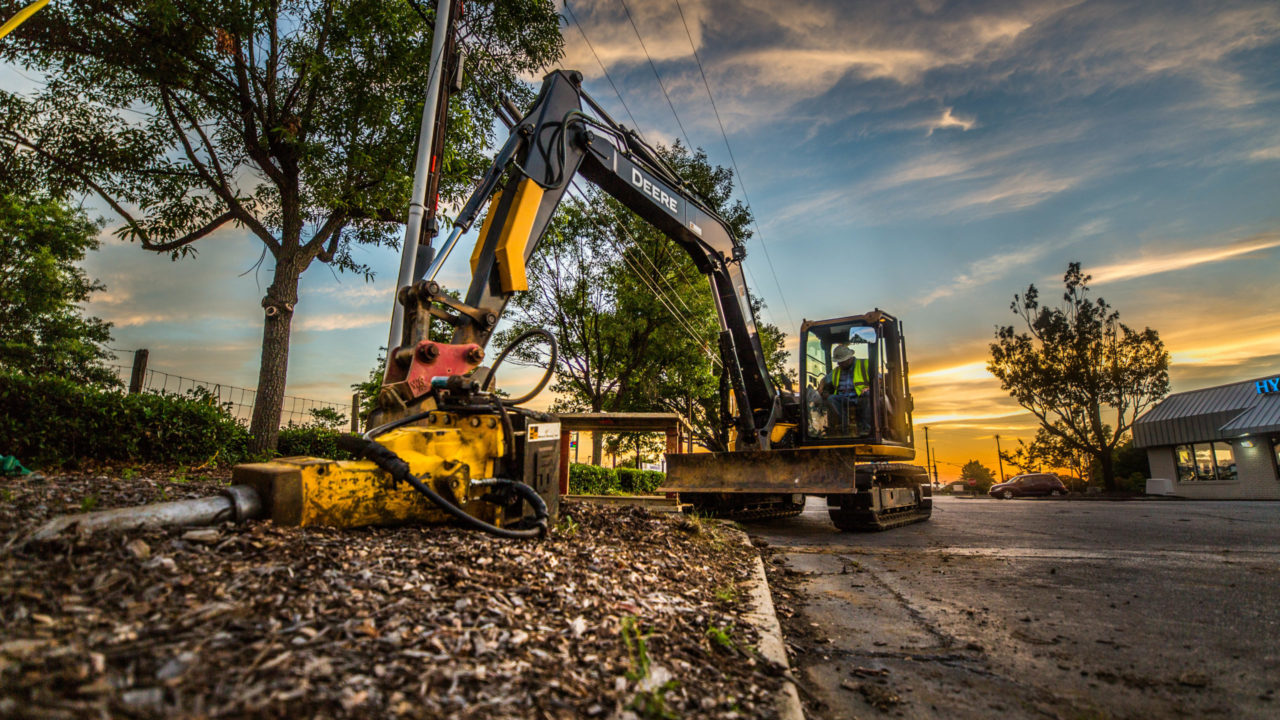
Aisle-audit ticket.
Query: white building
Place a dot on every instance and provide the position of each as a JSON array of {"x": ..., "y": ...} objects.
[{"x": 1218, "y": 443}]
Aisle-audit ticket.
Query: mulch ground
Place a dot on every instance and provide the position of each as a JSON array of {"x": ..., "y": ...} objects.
[{"x": 618, "y": 614}]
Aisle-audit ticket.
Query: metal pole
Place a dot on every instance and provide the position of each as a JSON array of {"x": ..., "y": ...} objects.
[
  {"x": 928, "y": 455},
  {"x": 999, "y": 459},
  {"x": 422, "y": 169}
]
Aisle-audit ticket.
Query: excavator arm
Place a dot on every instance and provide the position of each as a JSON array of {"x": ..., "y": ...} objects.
[{"x": 554, "y": 142}]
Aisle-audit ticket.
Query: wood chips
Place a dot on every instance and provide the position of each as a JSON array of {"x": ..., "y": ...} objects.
[{"x": 260, "y": 621}]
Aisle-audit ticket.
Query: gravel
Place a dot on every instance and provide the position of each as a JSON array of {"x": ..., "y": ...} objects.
[{"x": 618, "y": 614}]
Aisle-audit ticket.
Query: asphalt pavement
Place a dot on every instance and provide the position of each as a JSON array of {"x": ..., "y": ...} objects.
[{"x": 1060, "y": 608}]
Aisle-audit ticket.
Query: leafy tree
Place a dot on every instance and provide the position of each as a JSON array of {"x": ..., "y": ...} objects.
[
  {"x": 978, "y": 473},
  {"x": 42, "y": 329},
  {"x": 612, "y": 287},
  {"x": 293, "y": 121},
  {"x": 369, "y": 388},
  {"x": 1048, "y": 451},
  {"x": 635, "y": 448},
  {"x": 1075, "y": 363}
]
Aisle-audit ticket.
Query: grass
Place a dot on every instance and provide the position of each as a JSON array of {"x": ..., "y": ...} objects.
[
  {"x": 88, "y": 503},
  {"x": 567, "y": 526},
  {"x": 727, "y": 594},
  {"x": 180, "y": 477},
  {"x": 128, "y": 473},
  {"x": 649, "y": 704},
  {"x": 721, "y": 637}
]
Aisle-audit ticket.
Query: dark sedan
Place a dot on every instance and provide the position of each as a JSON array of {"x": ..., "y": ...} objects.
[{"x": 1032, "y": 485}]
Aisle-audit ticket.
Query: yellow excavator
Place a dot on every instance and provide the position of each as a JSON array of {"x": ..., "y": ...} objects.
[{"x": 445, "y": 446}]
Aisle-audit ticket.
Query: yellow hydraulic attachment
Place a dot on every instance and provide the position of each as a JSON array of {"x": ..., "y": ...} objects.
[{"x": 453, "y": 454}]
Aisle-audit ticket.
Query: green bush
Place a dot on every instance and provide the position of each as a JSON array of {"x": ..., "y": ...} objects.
[
  {"x": 592, "y": 480},
  {"x": 640, "y": 482},
  {"x": 52, "y": 421},
  {"x": 312, "y": 440}
]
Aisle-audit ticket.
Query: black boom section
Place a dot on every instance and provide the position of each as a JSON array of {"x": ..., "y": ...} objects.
[{"x": 556, "y": 140}]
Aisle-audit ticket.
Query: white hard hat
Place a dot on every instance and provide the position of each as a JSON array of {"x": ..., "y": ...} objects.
[{"x": 841, "y": 353}]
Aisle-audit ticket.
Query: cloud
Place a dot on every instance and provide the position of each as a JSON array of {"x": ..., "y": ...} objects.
[
  {"x": 949, "y": 121},
  {"x": 342, "y": 321},
  {"x": 1267, "y": 153},
  {"x": 361, "y": 293},
  {"x": 1167, "y": 261}
]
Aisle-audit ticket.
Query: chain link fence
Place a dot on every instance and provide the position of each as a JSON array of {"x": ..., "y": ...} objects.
[{"x": 239, "y": 401}]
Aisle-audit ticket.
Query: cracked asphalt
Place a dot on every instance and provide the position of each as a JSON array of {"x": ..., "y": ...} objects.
[{"x": 1038, "y": 609}]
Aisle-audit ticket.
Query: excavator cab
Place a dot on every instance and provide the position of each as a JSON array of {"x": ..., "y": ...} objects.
[{"x": 855, "y": 387}]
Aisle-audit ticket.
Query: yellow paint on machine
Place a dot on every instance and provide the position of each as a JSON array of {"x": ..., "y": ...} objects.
[
  {"x": 515, "y": 236},
  {"x": 484, "y": 230},
  {"x": 445, "y": 452}
]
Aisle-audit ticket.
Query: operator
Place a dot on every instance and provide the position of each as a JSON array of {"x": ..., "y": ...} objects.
[{"x": 847, "y": 385}]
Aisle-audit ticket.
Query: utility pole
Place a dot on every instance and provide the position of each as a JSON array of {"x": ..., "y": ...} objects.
[
  {"x": 929, "y": 461},
  {"x": 999, "y": 459}
]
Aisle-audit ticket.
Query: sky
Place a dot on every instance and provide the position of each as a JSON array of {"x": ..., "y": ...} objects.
[{"x": 928, "y": 158}]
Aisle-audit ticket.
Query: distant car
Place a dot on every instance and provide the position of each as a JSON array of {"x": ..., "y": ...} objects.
[{"x": 1029, "y": 486}]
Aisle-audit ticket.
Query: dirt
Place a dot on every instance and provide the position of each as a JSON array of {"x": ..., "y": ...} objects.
[{"x": 608, "y": 617}]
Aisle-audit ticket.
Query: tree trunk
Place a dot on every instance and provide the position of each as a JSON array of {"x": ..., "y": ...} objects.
[
  {"x": 273, "y": 369},
  {"x": 597, "y": 437},
  {"x": 1106, "y": 463},
  {"x": 1103, "y": 454}
]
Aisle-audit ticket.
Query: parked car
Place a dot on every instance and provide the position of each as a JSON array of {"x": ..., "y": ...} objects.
[{"x": 1028, "y": 486}]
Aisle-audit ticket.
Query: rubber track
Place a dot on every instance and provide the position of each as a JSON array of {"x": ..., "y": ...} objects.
[
  {"x": 870, "y": 522},
  {"x": 761, "y": 513}
]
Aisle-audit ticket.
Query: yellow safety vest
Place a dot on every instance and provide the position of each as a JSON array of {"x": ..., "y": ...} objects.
[{"x": 859, "y": 378}]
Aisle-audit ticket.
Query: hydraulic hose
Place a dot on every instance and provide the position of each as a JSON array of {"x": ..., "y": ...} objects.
[
  {"x": 546, "y": 377},
  {"x": 399, "y": 471}
]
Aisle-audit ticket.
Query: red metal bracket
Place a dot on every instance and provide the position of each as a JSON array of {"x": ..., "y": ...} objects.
[{"x": 433, "y": 359}]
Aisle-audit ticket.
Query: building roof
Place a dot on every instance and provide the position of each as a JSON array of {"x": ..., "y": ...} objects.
[{"x": 1216, "y": 413}]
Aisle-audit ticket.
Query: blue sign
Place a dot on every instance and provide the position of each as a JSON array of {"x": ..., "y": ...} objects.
[{"x": 1269, "y": 385}]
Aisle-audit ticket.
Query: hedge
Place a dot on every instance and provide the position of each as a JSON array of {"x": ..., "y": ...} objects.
[
  {"x": 640, "y": 482},
  {"x": 52, "y": 421},
  {"x": 594, "y": 480}
]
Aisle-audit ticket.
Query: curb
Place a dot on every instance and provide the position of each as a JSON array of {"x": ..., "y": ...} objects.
[{"x": 765, "y": 620}]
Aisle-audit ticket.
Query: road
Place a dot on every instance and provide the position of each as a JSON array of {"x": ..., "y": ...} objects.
[{"x": 1039, "y": 608}]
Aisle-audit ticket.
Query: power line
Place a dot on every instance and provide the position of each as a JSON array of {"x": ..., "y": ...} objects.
[
  {"x": 583, "y": 32},
  {"x": 652, "y": 285},
  {"x": 741, "y": 183},
  {"x": 656, "y": 75}
]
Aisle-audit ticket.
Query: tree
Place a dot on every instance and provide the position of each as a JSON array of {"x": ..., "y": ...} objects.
[
  {"x": 979, "y": 474},
  {"x": 1075, "y": 363},
  {"x": 633, "y": 318},
  {"x": 635, "y": 448},
  {"x": 1049, "y": 451},
  {"x": 42, "y": 329},
  {"x": 292, "y": 120}
]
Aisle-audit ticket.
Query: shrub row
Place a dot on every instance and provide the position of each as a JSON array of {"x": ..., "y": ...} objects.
[
  {"x": 594, "y": 480},
  {"x": 51, "y": 421},
  {"x": 54, "y": 421}
]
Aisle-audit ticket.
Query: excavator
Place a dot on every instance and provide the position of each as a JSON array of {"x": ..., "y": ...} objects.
[{"x": 444, "y": 444}]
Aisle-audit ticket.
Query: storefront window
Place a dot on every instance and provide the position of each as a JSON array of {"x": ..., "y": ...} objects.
[
  {"x": 1186, "y": 466},
  {"x": 1226, "y": 461},
  {"x": 1205, "y": 461}
]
